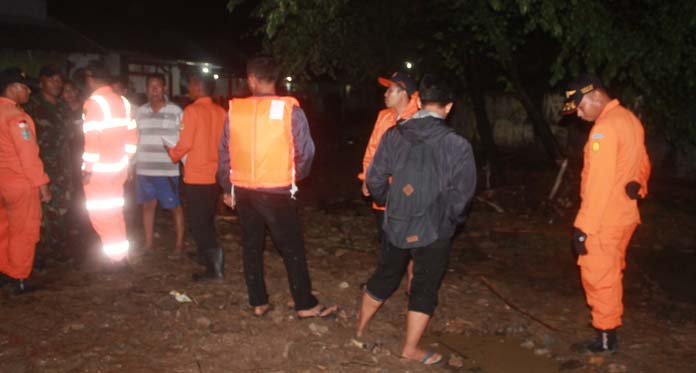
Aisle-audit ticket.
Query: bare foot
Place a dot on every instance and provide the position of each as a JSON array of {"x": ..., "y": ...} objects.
[
  {"x": 318, "y": 311},
  {"x": 261, "y": 310}
]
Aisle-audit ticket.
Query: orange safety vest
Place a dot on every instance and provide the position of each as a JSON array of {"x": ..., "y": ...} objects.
[
  {"x": 111, "y": 135},
  {"x": 261, "y": 142}
]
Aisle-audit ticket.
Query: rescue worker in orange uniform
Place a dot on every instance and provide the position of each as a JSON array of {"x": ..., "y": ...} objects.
[
  {"x": 201, "y": 128},
  {"x": 24, "y": 183},
  {"x": 614, "y": 177},
  {"x": 266, "y": 148},
  {"x": 401, "y": 101},
  {"x": 111, "y": 140}
]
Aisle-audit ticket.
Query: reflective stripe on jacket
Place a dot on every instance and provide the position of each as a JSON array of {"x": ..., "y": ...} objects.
[{"x": 111, "y": 135}]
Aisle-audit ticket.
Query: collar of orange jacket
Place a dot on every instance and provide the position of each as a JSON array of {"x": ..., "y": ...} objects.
[
  {"x": 411, "y": 108},
  {"x": 204, "y": 100},
  {"x": 612, "y": 104},
  {"x": 7, "y": 101}
]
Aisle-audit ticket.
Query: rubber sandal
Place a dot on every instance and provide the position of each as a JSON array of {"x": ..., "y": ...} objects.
[{"x": 428, "y": 355}]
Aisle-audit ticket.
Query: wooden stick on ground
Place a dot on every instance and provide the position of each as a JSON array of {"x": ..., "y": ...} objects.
[
  {"x": 559, "y": 178},
  {"x": 515, "y": 307},
  {"x": 495, "y": 206}
]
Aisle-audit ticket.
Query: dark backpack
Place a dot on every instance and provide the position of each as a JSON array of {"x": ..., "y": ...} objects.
[{"x": 414, "y": 209}]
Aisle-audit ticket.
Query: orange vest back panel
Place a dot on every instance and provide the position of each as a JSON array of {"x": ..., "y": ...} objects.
[{"x": 261, "y": 142}]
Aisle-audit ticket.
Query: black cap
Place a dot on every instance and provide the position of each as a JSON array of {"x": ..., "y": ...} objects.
[
  {"x": 578, "y": 88},
  {"x": 13, "y": 75},
  {"x": 403, "y": 80}
]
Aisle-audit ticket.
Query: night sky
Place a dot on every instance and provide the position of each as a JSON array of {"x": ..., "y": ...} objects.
[{"x": 173, "y": 28}]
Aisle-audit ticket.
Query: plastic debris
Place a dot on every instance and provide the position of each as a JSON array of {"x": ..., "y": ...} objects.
[{"x": 180, "y": 297}]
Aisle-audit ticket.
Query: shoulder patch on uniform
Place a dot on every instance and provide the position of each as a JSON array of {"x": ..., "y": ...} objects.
[
  {"x": 597, "y": 136},
  {"x": 595, "y": 146},
  {"x": 26, "y": 134}
]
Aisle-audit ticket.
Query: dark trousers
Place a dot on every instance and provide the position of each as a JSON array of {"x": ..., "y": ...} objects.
[
  {"x": 201, "y": 202},
  {"x": 278, "y": 212},
  {"x": 379, "y": 220},
  {"x": 429, "y": 267}
]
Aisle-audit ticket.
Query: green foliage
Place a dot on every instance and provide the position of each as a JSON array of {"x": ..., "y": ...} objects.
[
  {"x": 647, "y": 48},
  {"x": 339, "y": 38}
]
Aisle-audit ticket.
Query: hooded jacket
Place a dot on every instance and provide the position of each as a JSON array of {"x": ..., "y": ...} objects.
[{"x": 454, "y": 157}]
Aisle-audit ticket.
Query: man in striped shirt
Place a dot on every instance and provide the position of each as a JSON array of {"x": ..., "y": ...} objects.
[{"x": 157, "y": 178}]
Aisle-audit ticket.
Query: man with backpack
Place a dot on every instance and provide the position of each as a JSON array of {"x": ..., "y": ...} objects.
[{"x": 433, "y": 179}]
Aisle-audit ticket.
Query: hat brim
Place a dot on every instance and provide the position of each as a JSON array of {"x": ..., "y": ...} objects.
[
  {"x": 384, "y": 82},
  {"x": 569, "y": 108}
]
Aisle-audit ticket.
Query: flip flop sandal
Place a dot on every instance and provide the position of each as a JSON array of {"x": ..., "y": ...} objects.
[{"x": 428, "y": 355}]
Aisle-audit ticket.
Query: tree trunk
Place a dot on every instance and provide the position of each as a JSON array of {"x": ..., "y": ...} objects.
[
  {"x": 483, "y": 124},
  {"x": 541, "y": 126}
]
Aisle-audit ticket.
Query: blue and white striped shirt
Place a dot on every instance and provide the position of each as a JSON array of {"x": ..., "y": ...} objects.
[{"x": 152, "y": 159}]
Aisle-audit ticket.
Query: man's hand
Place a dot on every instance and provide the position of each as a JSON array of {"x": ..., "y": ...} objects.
[
  {"x": 45, "y": 193},
  {"x": 85, "y": 177},
  {"x": 579, "y": 238},
  {"x": 228, "y": 199},
  {"x": 632, "y": 189},
  {"x": 364, "y": 189}
]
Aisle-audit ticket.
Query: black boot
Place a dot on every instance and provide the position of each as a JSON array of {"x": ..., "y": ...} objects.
[
  {"x": 215, "y": 265},
  {"x": 606, "y": 342},
  {"x": 22, "y": 287}
]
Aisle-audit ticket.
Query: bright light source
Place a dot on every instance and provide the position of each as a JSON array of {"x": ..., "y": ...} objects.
[
  {"x": 205, "y": 70},
  {"x": 409, "y": 65},
  {"x": 216, "y": 76},
  {"x": 288, "y": 78}
]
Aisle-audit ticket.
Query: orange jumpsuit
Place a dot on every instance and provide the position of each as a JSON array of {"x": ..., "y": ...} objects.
[
  {"x": 22, "y": 173},
  {"x": 110, "y": 142},
  {"x": 386, "y": 119},
  {"x": 614, "y": 155}
]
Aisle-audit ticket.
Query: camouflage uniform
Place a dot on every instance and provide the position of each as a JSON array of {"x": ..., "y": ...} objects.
[{"x": 54, "y": 133}]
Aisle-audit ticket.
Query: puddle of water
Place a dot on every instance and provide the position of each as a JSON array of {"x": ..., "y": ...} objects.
[{"x": 491, "y": 354}]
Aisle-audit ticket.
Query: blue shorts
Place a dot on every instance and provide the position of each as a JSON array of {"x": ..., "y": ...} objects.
[{"x": 163, "y": 188}]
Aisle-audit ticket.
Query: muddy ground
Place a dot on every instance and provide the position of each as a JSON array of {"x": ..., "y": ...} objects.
[{"x": 511, "y": 301}]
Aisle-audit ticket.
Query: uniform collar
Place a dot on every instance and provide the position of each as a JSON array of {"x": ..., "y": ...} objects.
[
  {"x": 612, "y": 104},
  {"x": 204, "y": 99},
  {"x": 7, "y": 101}
]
